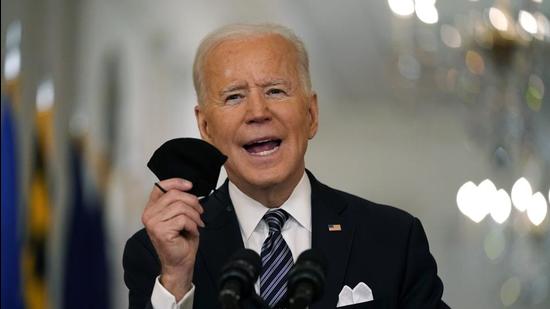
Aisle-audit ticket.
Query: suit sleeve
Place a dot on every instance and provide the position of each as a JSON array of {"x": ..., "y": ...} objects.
[
  {"x": 421, "y": 287},
  {"x": 141, "y": 267}
]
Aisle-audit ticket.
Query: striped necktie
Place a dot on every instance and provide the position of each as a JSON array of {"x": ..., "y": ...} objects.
[{"x": 276, "y": 259}]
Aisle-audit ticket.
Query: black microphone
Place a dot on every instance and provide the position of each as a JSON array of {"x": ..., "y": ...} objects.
[
  {"x": 306, "y": 280},
  {"x": 238, "y": 277}
]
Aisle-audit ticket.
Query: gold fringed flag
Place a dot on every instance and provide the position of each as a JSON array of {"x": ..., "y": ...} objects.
[{"x": 38, "y": 216}]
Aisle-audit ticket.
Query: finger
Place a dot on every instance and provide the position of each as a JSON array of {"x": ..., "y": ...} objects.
[
  {"x": 179, "y": 208},
  {"x": 153, "y": 212},
  {"x": 154, "y": 207},
  {"x": 170, "y": 184},
  {"x": 183, "y": 223},
  {"x": 175, "y": 195}
]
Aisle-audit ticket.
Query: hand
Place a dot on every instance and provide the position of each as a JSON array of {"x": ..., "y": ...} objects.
[{"x": 172, "y": 221}]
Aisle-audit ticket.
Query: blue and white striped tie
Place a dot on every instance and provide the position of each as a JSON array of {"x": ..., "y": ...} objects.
[{"x": 276, "y": 259}]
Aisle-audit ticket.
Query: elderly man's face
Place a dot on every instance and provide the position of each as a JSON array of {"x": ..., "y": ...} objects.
[{"x": 257, "y": 111}]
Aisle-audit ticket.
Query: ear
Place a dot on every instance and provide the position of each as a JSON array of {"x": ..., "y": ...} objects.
[
  {"x": 202, "y": 123},
  {"x": 313, "y": 114}
]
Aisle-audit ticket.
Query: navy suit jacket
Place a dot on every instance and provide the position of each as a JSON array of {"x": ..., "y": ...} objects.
[{"x": 382, "y": 246}]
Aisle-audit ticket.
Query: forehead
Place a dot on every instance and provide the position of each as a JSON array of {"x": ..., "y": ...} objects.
[{"x": 251, "y": 57}]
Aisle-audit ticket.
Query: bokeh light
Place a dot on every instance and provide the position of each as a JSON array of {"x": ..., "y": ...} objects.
[
  {"x": 45, "y": 95},
  {"x": 527, "y": 21},
  {"x": 450, "y": 36},
  {"x": 498, "y": 19},
  {"x": 401, "y": 7},
  {"x": 474, "y": 62},
  {"x": 537, "y": 209},
  {"x": 510, "y": 291},
  {"x": 464, "y": 197},
  {"x": 501, "y": 207},
  {"x": 426, "y": 11},
  {"x": 12, "y": 60},
  {"x": 12, "y": 64},
  {"x": 486, "y": 192},
  {"x": 521, "y": 194},
  {"x": 478, "y": 201}
]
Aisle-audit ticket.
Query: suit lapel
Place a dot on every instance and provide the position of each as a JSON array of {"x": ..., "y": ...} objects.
[
  {"x": 221, "y": 237},
  {"x": 328, "y": 209}
]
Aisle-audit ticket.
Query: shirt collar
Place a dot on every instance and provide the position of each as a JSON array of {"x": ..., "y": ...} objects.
[{"x": 250, "y": 212}]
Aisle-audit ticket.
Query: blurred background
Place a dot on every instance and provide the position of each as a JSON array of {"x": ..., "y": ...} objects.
[{"x": 440, "y": 108}]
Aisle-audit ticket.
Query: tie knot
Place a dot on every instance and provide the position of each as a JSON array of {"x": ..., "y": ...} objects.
[{"x": 275, "y": 219}]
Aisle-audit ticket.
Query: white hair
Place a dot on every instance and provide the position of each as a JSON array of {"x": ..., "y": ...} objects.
[{"x": 236, "y": 31}]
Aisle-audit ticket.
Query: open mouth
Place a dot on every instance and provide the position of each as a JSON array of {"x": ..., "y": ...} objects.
[{"x": 262, "y": 147}]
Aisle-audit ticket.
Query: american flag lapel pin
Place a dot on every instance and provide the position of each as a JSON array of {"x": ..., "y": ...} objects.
[{"x": 334, "y": 228}]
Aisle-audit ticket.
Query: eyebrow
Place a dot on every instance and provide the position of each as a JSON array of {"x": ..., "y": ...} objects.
[
  {"x": 233, "y": 87},
  {"x": 244, "y": 85},
  {"x": 274, "y": 82}
]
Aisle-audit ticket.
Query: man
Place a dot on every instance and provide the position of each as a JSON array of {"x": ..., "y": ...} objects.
[{"x": 256, "y": 105}]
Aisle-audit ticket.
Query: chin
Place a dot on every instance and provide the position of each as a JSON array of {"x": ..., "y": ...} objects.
[
  {"x": 259, "y": 178},
  {"x": 264, "y": 179}
]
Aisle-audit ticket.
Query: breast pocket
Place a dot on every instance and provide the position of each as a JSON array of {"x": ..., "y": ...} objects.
[{"x": 366, "y": 305}]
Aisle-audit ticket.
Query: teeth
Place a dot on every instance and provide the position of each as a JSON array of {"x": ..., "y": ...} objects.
[
  {"x": 265, "y": 153},
  {"x": 262, "y": 141}
]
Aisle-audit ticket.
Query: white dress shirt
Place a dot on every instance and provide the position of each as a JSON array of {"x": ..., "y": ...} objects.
[{"x": 296, "y": 232}]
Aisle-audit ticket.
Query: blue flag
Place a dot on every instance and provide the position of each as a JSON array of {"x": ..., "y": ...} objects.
[
  {"x": 86, "y": 282},
  {"x": 11, "y": 237}
]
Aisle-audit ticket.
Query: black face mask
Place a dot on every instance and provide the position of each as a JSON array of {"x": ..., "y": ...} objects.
[{"x": 191, "y": 159}]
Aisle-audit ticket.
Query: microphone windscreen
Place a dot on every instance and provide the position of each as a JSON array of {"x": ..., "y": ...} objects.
[
  {"x": 191, "y": 159},
  {"x": 249, "y": 256},
  {"x": 313, "y": 256}
]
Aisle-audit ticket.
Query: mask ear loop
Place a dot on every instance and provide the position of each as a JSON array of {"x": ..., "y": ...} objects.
[{"x": 161, "y": 188}]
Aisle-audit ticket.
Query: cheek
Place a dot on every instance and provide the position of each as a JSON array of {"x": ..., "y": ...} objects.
[
  {"x": 223, "y": 131},
  {"x": 300, "y": 122},
  {"x": 220, "y": 137}
]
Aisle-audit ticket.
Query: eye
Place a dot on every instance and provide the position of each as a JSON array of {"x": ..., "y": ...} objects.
[
  {"x": 275, "y": 92},
  {"x": 234, "y": 98}
]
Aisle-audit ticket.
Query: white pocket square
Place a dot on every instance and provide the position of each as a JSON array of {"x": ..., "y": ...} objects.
[{"x": 361, "y": 293}]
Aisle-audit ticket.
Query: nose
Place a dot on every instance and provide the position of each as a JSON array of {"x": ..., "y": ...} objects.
[{"x": 257, "y": 108}]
